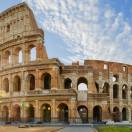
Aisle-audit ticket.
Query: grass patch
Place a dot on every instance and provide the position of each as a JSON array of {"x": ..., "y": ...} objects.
[{"x": 114, "y": 129}]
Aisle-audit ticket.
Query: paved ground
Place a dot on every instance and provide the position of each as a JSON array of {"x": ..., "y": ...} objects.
[
  {"x": 77, "y": 129},
  {"x": 31, "y": 129}
]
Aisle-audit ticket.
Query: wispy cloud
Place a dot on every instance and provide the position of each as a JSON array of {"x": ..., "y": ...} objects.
[{"x": 91, "y": 31}]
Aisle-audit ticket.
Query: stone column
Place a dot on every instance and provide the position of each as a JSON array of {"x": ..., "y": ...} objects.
[
  {"x": 37, "y": 111},
  {"x": 53, "y": 111},
  {"x": 26, "y": 55}
]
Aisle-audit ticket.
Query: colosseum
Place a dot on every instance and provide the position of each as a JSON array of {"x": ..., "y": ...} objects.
[{"x": 34, "y": 88}]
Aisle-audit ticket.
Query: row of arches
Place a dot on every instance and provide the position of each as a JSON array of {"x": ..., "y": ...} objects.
[
  {"x": 63, "y": 113},
  {"x": 18, "y": 55},
  {"x": 30, "y": 81},
  {"x": 118, "y": 116}
]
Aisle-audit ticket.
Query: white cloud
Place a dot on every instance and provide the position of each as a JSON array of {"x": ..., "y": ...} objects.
[{"x": 90, "y": 31}]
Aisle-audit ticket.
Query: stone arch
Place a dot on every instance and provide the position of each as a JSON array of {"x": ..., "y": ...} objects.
[
  {"x": 106, "y": 88},
  {"x": 46, "y": 112},
  {"x": 83, "y": 113},
  {"x": 31, "y": 82},
  {"x": 124, "y": 91},
  {"x": 63, "y": 112},
  {"x": 5, "y": 113},
  {"x": 32, "y": 52},
  {"x": 6, "y": 85},
  {"x": 16, "y": 112},
  {"x": 30, "y": 111},
  {"x": 115, "y": 91},
  {"x": 67, "y": 83},
  {"x": 18, "y": 55},
  {"x": 116, "y": 114},
  {"x": 97, "y": 113},
  {"x": 124, "y": 114},
  {"x": 17, "y": 84},
  {"x": 7, "y": 57},
  {"x": 82, "y": 84},
  {"x": 46, "y": 81}
]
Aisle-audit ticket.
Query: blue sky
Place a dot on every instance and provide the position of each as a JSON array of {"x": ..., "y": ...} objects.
[{"x": 84, "y": 29}]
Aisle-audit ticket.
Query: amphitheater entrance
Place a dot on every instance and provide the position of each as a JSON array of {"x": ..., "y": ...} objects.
[
  {"x": 17, "y": 113},
  {"x": 63, "y": 113},
  {"x": 83, "y": 113},
  {"x": 97, "y": 114},
  {"x": 46, "y": 113},
  {"x": 5, "y": 114},
  {"x": 116, "y": 114},
  {"x": 124, "y": 114},
  {"x": 30, "y": 113}
]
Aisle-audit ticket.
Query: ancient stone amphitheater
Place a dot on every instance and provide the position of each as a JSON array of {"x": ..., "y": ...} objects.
[{"x": 35, "y": 88}]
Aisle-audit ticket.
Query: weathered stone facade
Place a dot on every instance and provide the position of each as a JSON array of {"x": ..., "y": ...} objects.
[{"x": 38, "y": 88}]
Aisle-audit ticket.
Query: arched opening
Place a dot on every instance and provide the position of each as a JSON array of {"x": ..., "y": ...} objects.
[
  {"x": 97, "y": 114},
  {"x": 115, "y": 91},
  {"x": 97, "y": 87},
  {"x": 67, "y": 83},
  {"x": 115, "y": 78},
  {"x": 5, "y": 114},
  {"x": 124, "y": 114},
  {"x": 17, "y": 113},
  {"x": 124, "y": 92},
  {"x": 30, "y": 113},
  {"x": 116, "y": 114},
  {"x": 63, "y": 113},
  {"x": 7, "y": 57},
  {"x": 46, "y": 113},
  {"x": 18, "y": 55},
  {"x": 46, "y": 81},
  {"x": 17, "y": 84},
  {"x": 83, "y": 113},
  {"x": 6, "y": 85},
  {"x": 82, "y": 84},
  {"x": 106, "y": 88},
  {"x": 31, "y": 82},
  {"x": 32, "y": 53}
]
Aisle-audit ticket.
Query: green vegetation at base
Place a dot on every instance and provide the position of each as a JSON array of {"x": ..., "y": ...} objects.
[{"x": 114, "y": 129}]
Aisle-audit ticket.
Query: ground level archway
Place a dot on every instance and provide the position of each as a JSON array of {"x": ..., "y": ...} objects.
[
  {"x": 97, "y": 114},
  {"x": 63, "y": 113},
  {"x": 83, "y": 113}
]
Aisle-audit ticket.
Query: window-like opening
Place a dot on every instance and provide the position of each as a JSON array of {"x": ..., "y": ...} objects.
[
  {"x": 116, "y": 114},
  {"x": 63, "y": 113},
  {"x": 124, "y": 91},
  {"x": 46, "y": 81},
  {"x": 67, "y": 83},
  {"x": 83, "y": 113},
  {"x": 17, "y": 84},
  {"x": 46, "y": 113},
  {"x": 82, "y": 84},
  {"x": 7, "y": 59},
  {"x": 131, "y": 92},
  {"x": 115, "y": 91},
  {"x": 6, "y": 85},
  {"x": 106, "y": 88},
  {"x": 105, "y": 66},
  {"x": 124, "y": 68},
  {"x": 115, "y": 78},
  {"x": 8, "y": 28},
  {"x": 33, "y": 54},
  {"x": 97, "y": 114},
  {"x": 31, "y": 82},
  {"x": 97, "y": 87},
  {"x": 18, "y": 55}
]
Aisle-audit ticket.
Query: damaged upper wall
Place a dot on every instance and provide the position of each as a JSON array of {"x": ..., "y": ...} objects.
[{"x": 17, "y": 21}]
